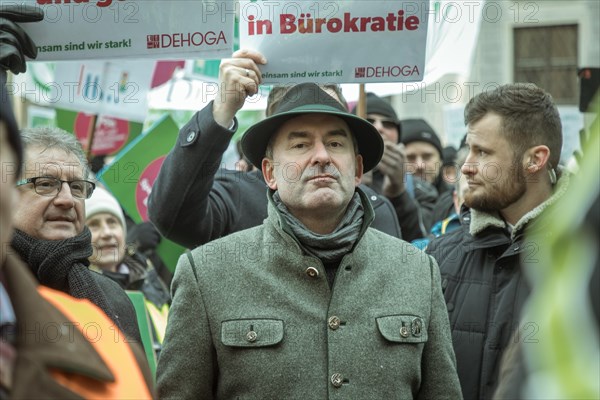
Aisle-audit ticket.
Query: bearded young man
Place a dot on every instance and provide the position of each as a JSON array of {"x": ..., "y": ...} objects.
[{"x": 514, "y": 137}]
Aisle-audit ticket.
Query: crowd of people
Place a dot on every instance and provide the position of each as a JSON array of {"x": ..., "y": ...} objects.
[{"x": 353, "y": 256}]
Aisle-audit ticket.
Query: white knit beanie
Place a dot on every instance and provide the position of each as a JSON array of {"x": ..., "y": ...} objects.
[{"x": 104, "y": 202}]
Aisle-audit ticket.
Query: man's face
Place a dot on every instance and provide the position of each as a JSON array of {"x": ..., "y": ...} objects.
[
  {"x": 314, "y": 167},
  {"x": 424, "y": 159},
  {"x": 8, "y": 193},
  {"x": 385, "y": 126},
  {"x": 50, "y": 217},
  {"x": 108, "y": 240},
  {"x": 495, "y": 178}
]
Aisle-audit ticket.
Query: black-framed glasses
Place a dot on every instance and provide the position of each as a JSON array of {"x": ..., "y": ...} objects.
[
  {"x": 51, "y": 186},
  {"x": 387, "y": 123}
]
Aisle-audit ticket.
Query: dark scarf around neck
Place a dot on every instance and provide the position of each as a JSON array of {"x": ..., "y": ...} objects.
[
  {"x": 63, "y": 265},
  {"x": 331, "y": 247}
]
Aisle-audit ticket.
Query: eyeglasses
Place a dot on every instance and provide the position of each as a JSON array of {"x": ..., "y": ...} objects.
[
  {"x": 387, "y": 123},
  {"x": 50, "y": 186}
]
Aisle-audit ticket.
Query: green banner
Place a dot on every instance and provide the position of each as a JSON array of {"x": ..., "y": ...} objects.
[
  {"x": 137, "y": 299},
  {"x": 132, "y": 173}
]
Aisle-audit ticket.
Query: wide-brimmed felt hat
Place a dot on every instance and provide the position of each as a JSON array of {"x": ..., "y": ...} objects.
[{"x": 309, "y": 98}]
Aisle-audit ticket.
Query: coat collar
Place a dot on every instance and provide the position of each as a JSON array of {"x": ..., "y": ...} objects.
[
  {"x": 67, "y": 350},
  {"x": 133, "y": 279},
  {"x": 480, "y": 220}
]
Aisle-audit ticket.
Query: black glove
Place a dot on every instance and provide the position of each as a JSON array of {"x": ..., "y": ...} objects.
[
  {"x": 145, "y": 236},
  {"x": 15, "y": 44}
]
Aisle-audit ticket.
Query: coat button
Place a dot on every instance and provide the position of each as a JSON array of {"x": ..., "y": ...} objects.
[
  {"x": 334, "y": 322},
  {"x": 373, "y": 198},
  {"x": 190, "y": 137},
  {"x": 404, "y": 331},
  {"x": 337, "y": 380},
  {"x": 251, "y": 336},
  {"x": 416, "y": 326},
  {"x": 312, "y": 272}
]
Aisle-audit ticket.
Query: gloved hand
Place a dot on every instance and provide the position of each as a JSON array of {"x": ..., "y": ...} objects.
[
  {"x": 15, "y": 44},
  {"x": 144, "y": 235}
]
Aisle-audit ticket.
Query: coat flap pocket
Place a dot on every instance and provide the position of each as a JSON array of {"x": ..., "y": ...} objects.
[
  {"x": 251, "y": 332},
  {"x": 403, "y": 328}
]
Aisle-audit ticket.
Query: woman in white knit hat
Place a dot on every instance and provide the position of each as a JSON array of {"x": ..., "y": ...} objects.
[
  {"x": 105, "y": 219},
  {"x": 115, "y": 259}
]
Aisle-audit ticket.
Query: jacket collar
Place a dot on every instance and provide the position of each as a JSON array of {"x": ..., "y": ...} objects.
[
  {"x": 133, "y": 279},
  {"x": 68, "y": 350},
  {"x": 480, "y": 220}
]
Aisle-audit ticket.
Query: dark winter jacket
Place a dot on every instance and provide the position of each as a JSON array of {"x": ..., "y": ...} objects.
[
  {"x": 485, "y": 290},
  {"x": 194, "y": 201},
  {"x": 142, "y": 277}
]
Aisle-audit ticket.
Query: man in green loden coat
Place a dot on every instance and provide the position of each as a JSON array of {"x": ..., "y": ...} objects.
[{"x": 313, "y": 303}]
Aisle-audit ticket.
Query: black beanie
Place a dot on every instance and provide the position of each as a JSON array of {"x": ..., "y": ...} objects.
[
  {"x": 7, "y": 116},
  {"x": 377, "y": 105},
  {"x": 418, "y": 130},
  {"x": 449, "y": 155}
]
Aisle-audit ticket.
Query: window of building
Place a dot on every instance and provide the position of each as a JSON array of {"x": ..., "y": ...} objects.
[{"x": 547, "y": 56}]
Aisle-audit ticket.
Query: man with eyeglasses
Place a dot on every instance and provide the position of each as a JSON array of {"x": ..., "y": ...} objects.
[
  {"x": 51, "y": 236},
  {"x": 51, "y": 186}
]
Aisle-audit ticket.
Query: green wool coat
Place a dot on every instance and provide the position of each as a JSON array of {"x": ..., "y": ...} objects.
[{"x": 256, "y": 319}]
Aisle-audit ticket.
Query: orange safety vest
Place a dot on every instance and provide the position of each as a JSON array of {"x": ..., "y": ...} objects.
[{"x": 129, "y": 381}]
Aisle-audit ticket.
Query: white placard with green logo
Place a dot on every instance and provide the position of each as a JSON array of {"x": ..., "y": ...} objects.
[
  {"x": 103, "y": 29},
  {"x": 337, "y": 41}
]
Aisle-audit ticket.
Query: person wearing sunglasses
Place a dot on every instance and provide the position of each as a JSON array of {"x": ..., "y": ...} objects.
[{"x": 413, "y": 201}]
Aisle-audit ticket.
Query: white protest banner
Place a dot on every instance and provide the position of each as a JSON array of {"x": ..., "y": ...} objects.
[
  {"x": 104, "y": 29},
  {"x": 451, "y": 41},
  {"x": 349, "y": 41},
  {"x": 194, "y": 94},
  {"x": 117, "y": 89}
]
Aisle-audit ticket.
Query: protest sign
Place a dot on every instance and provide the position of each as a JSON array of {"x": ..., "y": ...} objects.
[
  {"x": 110, "y": 134},
  {"x": 132, "y": 173},
  {"x": 40, "y": 116},
  {"x": 104, "y": 29},
  {"x": 194, "y": 94},
  {"x": 452, "y": 35},
  {"x": 346, "y": 41},
  {"x": 117, "y": 89}
]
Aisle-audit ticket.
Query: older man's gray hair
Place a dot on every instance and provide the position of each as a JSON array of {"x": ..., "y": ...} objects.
[{"x": 50, "y": 138}]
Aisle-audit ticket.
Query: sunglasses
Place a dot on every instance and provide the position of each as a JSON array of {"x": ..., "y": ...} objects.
[{"x": 386, "y": 123}]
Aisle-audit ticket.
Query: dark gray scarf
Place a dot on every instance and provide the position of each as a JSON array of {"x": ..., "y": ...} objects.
[
  {"x": 63, "y": 265},
  {"x": 332, "y": 247}
]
